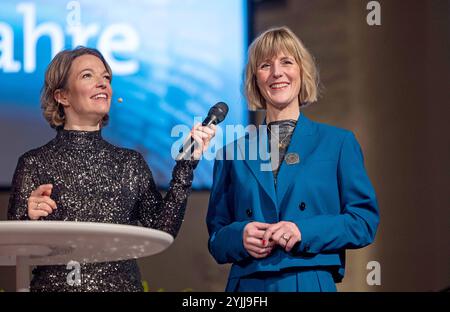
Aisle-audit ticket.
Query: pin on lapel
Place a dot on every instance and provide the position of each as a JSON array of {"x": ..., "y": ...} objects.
[{"x": 292, "y": 158}]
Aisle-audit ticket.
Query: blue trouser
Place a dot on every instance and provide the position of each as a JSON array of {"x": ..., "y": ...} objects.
[{"x": 314, "y": 280}]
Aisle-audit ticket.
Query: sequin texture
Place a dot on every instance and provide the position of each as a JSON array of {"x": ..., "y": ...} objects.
[{"x": 94, "y": 181}]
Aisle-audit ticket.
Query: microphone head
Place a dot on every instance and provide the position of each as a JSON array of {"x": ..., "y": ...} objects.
[{"x": 219, "y": 111}]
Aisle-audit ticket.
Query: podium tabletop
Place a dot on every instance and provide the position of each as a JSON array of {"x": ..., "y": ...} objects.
[{"x": 59, "y": 242}]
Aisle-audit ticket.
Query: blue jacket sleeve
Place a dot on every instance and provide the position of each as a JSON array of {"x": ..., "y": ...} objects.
[
  {"x": 225, "y": 234},
  {"x": 356, "y": 225}
]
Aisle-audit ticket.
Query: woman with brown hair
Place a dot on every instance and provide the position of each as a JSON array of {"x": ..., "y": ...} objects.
[{"x": 78, "y": 176}]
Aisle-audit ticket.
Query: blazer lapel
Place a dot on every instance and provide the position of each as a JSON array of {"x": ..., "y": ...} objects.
[
  {"x": 303, "y": 142},
  {"x": 254, "y": 151}
]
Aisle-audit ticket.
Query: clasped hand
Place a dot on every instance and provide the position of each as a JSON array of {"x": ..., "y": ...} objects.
[{"x": 260, "y": 238}]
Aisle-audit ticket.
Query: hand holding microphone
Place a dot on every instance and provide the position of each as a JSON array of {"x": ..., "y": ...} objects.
[
  {"x": 202, "y": 134},
  {"x": 202, "y": 137}
]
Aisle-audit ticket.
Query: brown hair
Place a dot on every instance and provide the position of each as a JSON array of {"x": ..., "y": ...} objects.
[
  {"x": 56, "y": 77},
  {"x": 269, "y": 44}
]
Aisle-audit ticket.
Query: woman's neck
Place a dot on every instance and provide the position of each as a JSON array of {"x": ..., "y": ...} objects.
[
  {"x": 82, "y": 122},
  {"x": 77, "y": 127},
  {"x": 274, "y": 114}
]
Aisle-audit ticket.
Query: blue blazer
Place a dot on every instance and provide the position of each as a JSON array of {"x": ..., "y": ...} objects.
[{"x": 327, "y": 194}]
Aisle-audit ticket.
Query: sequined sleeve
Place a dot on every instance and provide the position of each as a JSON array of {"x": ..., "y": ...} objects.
[
  {"x": 165, "y": 213},
  {"x": 25, "y": 180}
]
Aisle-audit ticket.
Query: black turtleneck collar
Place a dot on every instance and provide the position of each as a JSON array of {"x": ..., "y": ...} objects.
[{"x": 79, "y": 139}]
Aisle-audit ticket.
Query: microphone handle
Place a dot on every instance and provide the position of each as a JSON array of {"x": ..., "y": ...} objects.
[
  {"x": 190, "y": 144},
  {"x": 208, "y": 121}
]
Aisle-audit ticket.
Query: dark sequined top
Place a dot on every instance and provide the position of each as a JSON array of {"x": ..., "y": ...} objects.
[
  {"x": 282, "y": 137},
  {"x": 94, "y": 181}
]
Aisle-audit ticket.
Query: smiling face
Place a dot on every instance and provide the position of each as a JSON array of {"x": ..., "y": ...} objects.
[
  {"x": 87, "y": 96},
  {"x": 279, "y": 81}
]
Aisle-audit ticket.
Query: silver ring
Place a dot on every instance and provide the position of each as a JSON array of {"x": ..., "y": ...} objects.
[
  {"x": 286, "y": 237},
  {"x": 38, "y": 204}
]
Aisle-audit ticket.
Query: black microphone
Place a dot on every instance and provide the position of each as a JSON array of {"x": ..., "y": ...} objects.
[{"x": 216, "y": 114}]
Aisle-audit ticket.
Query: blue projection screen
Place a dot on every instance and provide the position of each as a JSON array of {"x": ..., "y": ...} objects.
[{"x": 171, "y": 60}]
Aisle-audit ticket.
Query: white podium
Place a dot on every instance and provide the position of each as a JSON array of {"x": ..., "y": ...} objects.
[{"x": 26, "y": 243}]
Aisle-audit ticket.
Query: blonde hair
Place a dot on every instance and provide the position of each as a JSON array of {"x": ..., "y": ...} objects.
[
  {"x": 269, "y": 44},
  {"x": 56, "y": 77}
]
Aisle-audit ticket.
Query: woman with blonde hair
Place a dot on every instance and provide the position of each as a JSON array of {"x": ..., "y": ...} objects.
[{"x": 287, "y": 229}]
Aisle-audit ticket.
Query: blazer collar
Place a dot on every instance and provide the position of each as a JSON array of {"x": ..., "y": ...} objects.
[
  {"x": 261, "y": 165},
  {"x": 303, "y": 143},
  {"x": 254, "y": 150}
]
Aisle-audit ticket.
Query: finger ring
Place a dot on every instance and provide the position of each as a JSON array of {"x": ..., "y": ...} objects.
[
  {"x": 285, "y": 236},
  {"x": 37, "y": 205}
]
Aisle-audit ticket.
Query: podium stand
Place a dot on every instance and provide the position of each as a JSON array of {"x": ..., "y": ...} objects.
[{"x": 26, "y": 243}]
